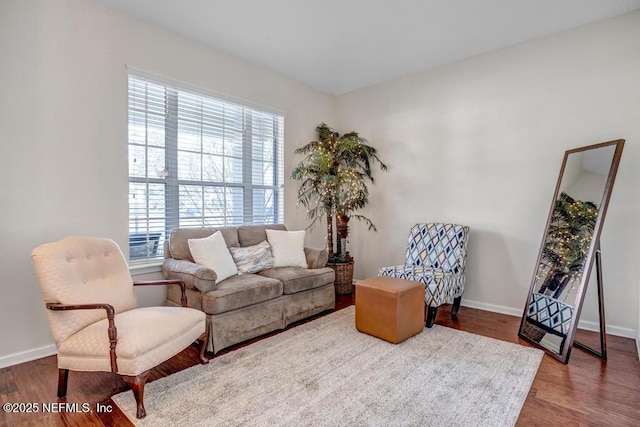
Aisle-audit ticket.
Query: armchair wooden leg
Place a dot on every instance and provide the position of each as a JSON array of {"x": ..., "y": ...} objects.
[
  {"x": 456, "y": 307},
  {"x": 137, "y": 386},
  {"x": 431, "y": 316},
  {"x": 63, "y": 379},
  {"x": 203, "y": 346}
]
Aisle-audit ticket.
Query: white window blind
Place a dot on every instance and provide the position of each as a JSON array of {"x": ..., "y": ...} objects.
[{"x": 196, "y": 161}]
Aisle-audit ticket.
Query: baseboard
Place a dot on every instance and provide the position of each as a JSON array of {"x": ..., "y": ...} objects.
[
  {"x": 492, "y": 307},
  {"x": 583, "y": 324},
  {"x": 611, "y": 329},
  {"x": 27, "y": 356},
  {"x": 638, "y": 344}
]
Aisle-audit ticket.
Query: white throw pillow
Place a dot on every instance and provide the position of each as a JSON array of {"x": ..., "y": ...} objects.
[
  {"x": 212, "y": 252},
  {"x": 287, "y": 248}
]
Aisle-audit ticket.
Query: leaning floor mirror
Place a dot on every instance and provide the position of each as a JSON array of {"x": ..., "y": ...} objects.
[{"x": 570, "y": 247}]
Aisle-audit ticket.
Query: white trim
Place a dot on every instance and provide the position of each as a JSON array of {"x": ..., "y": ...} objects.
[
  {"x": 491, "y": 307},
  {"x": 638, "y": 344},
  {"x": 204, "y": 91},
  {"x": 27, "y": 356},
  {"x": 619, "y": 331},
  {"x": 145, "y": 268},
  {"x": 583, "y": 324}
]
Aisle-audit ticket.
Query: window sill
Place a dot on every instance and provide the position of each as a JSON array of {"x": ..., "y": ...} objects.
[{"x": 154, "y": 266}]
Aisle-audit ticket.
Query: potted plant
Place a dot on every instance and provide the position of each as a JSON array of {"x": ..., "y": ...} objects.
[{"x": 334, "y": 175}]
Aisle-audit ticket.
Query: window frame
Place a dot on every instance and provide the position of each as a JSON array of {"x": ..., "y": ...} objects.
[{"x": 148, "y": 244}]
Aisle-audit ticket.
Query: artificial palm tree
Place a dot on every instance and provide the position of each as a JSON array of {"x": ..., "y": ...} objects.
[
  {"x": 568, "y": 242},
  {"x": 334, "y": 176}
]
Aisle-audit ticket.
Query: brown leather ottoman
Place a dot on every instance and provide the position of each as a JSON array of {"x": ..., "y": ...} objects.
[{"x": 389, "y": 308}]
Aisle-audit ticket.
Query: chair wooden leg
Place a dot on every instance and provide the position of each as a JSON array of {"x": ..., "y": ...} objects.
[
  {"x": 203, "y": 346},
  {"x": 431, "y": 316},
  {"x": 63, "y": 379},
  {"x": 456, "y": 307},
  {"x": 137, "y": 386}
]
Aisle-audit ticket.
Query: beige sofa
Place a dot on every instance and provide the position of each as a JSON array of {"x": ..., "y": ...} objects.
[{"x": 245, "y": 306}]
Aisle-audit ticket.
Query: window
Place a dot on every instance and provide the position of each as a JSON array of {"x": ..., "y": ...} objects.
[{"x": 196, "y": 161}]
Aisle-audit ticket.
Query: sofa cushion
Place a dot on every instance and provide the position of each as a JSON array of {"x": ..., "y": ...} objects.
[
  {"x": 249, "y": 235},
  {"x": 212, "y": 252},
  {"x": 253, "y": 259},
  {"x": 240, "y": 291},
  {"x": 179, "y": 247},
  {"x": 287, "y": 248},
  {"x": 295, "y": 279},
  {"x": 146, "y": 337}
]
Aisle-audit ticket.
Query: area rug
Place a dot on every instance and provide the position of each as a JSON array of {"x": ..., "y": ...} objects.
[{"x": 326, "y": 373}]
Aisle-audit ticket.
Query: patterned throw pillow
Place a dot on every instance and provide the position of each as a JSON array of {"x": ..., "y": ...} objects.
[{"x": 253, "y": 259}]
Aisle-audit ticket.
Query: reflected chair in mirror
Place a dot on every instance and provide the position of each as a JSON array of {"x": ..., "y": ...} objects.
[
  {"x": 93, "y": 314},
  {"x": 548, "y": 315},
  {"x": 436, "y": 257}
]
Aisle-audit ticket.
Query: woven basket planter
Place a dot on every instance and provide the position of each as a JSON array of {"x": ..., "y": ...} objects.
[{"x": 344, "y": 277}]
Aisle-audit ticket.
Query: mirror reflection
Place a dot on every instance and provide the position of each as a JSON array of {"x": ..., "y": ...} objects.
[{"x": 550, "y": 315}]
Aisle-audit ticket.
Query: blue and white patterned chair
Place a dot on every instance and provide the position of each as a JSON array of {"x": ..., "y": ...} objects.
[{"x": 436, "y": 256}]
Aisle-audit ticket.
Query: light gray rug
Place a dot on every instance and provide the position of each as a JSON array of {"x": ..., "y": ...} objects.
[{"x": 326, "y": 373}]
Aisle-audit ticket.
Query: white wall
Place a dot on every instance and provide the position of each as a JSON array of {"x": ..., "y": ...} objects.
[
  {"x": 63, "y": 133},
  {"x": 480, "y": 142}
]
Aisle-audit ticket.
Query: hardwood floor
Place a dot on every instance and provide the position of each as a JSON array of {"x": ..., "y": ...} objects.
[{"x": 586, "y": 392}]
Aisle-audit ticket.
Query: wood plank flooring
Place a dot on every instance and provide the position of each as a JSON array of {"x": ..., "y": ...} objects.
[{"x": 586, "y": 392}]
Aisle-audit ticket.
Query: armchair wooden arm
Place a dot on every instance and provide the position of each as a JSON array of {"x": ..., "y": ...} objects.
[
  {"x": 183, "y": 298},
  {"x": 113, "y": 333}
]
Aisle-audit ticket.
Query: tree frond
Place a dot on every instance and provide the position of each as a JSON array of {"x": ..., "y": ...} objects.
[
  {"x": 334, "y": 174},
  {"x": 366, "y": 221}
]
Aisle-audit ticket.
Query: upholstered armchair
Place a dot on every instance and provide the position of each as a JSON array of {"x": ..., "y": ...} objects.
[
  {"x": 436, "y": 256},
  {"x": 92, "y": 312}
]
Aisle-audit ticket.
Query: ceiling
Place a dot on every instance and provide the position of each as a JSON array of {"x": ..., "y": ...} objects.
[{"x": 338, "y": 46}]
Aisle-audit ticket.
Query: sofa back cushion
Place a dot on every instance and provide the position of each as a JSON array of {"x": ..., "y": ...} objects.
[
  {"x": 178, "y": 241},
  {"x": 250, "y": 235},
  {"x": 243, "y": 236}
]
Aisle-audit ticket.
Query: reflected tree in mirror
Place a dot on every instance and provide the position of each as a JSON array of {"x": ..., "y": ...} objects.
[{"x": 567, "y": 244}]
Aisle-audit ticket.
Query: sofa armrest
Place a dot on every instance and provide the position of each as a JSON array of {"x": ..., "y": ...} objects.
[
  {"x": 194, "y": 276},
  {"x": 316, "y": 258}
]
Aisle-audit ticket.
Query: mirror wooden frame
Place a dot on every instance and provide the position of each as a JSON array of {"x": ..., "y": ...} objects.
[{"x": 592, "y": 256}]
